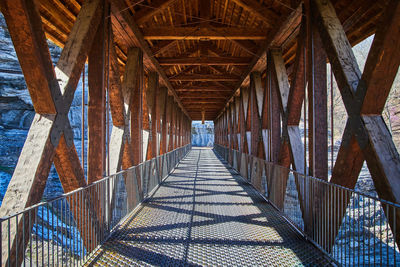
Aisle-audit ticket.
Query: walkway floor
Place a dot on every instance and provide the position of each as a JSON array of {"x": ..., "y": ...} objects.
[{"x": 205, "y": 214}]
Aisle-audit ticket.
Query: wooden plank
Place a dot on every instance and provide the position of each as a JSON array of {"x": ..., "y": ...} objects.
[
  {"x": 137, "y": 116},
  {"x": 209, "y": 33}
]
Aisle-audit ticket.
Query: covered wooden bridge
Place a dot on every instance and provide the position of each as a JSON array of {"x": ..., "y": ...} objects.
[{"x": 266, "y": 194}]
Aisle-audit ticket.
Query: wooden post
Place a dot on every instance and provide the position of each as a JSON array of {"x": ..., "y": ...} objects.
[
  {"x": 151, "y": 99},
  {"x": 96, "y": 106},
  {"x": 317, "y": 102},
  {"x": 163, "y": 117}
]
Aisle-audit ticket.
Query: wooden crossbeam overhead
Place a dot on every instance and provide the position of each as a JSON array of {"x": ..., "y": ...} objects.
[
  {"x": 204, "y": 61},
  {"x": 202, "y": 96},
  {"x": 206, "y": 33},
  {"x": 211, "y": 88},
  {"x": 205, "y": 78}
]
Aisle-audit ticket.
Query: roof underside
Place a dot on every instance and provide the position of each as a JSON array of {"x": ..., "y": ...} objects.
[{"x": 207, "y": 47}]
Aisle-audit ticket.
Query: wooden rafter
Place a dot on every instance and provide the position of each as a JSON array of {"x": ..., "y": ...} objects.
[{"x": 208, "y": 33}]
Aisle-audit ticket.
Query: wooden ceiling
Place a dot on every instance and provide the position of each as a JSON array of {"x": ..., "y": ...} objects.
[{"x": 207, "y": 48}]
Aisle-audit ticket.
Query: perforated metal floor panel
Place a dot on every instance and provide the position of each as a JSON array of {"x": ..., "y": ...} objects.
[{"x": 204, "y": 215}]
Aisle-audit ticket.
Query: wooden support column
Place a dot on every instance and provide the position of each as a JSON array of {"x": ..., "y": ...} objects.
[
  {"x": 162, "y": 104},
  {"x": 242, "y": 123},
  {"x": 364, "y": 96},
  {"x": 96, "y": 164},
  {"x": 256, "y": 103},
  {"x": 317, "y": 102},
  {"x": 274, "y": 113},
  {"x": 237, "y": 122},
  {"x": 145, "y": 124},
  {"x": 137, "y": 115},
  {"x": 151, "y": 99},
  {"x": 170, "y": 110}
]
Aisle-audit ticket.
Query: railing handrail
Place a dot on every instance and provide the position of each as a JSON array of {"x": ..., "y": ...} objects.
[
  {"x": 65, "y": 195},
  {"x": 397, "y": 205}
]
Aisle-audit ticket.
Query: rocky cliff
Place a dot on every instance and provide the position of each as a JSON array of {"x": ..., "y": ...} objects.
[{"x": 203, "y": 134}]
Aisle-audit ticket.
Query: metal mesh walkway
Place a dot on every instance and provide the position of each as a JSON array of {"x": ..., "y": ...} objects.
[{"x": 204, "y": 214}]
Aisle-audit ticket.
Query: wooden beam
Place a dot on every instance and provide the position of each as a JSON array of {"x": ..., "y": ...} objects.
[
  {"x": 192, "y": 88},
  {"x": 200, "y": 96},
  {"x": 204, "y": 77},
  {"x": 208, "y": 33},
  {"x": 204, "y": 61}
]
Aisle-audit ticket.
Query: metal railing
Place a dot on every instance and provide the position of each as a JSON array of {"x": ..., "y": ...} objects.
[
  {"x": 352, "y": 227},
  {"x": 65, "y": 230}
]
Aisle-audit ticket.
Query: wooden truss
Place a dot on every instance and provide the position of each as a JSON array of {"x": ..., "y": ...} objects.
[
  {"x": 50, "y": 138},
  {"x": 271, "y": 132}
]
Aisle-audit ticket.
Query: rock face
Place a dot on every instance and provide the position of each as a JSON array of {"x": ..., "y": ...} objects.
[{"x": 203, "y": 134}]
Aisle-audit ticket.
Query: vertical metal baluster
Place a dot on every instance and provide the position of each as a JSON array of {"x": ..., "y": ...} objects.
[
  {"x": 345, "y": 228},
  {"x": 86, "y": 210},
  {"x": 387, "y": 234},
  {"x": 48, "y": 234},
  {"x": 36, "y": 239},
  {"x": 374, "y": 231},
  {"x": 30, "y": 236},
  {"x": 52, "y": 234},
  {"x": 81, "y": 229},
  {"x": 369, "y": 232},
  {"x": 358, "y": 226},
  {"x": 380, "y": 234},
  {"x": 43, "y": 245},
  {"x": 394, "y": 234},
  {"x": 1, "y": 242},
  {"x": 16, "y": 240}
]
